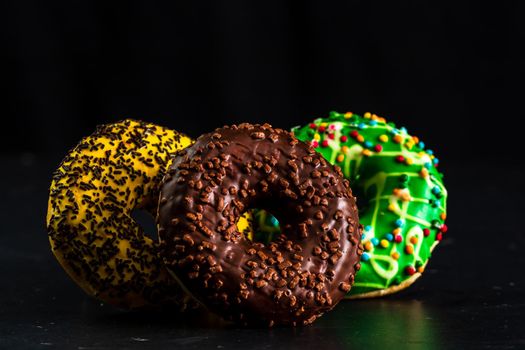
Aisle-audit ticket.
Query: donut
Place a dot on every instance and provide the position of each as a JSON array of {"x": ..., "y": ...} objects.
[
  {"x": 401, "y": 196},
  {"x": 292, "y": 280},
  {"x": 91, "y": 231}
]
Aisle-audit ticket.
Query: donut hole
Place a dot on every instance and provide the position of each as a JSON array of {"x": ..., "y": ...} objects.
[
  {"x": 259, "y": 225},
  {"x": 147, "y": 222}
]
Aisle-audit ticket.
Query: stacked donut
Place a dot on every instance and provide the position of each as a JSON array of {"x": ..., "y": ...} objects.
[{"x": 218, "y": 245}]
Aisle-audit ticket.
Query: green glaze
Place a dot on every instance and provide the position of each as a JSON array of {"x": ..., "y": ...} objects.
[{"x": 388, "y": 189}]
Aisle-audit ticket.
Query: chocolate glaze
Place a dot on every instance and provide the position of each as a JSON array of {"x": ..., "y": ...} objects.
[{"x": 293, "y": 280}]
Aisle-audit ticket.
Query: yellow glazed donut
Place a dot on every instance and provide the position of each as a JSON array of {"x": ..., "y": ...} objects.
[{"x": 92, "y": 234}]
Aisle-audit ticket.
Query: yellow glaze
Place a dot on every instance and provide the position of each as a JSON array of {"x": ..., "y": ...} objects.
[{"x": 90, "y": 228}]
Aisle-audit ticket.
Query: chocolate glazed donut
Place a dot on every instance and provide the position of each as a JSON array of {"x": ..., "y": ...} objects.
[{"x": 293, "y": 280}]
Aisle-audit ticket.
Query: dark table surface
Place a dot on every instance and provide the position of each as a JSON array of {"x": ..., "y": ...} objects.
[{"x": 471, "y": 296}]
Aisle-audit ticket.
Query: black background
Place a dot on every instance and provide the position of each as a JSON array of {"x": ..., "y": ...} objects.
[{"x": 453, "y": 74}]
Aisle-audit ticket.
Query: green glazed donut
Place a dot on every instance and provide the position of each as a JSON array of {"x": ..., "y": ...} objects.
[{"x": 401, "y": 197}]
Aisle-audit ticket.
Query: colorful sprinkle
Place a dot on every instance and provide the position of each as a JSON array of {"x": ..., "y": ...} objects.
[
  {"x": 365, "y": 256},
  {"x": 368, "y": 144},
  {"x": 426, "y": 232},
  {"x": 398, "y": 138},
  {"x": 398, "y": 238},
  {"x": 340, "y": 158},
  {"x": 360, "y": 138},
  {"x": 410, "y": 270},
  {"x": 439, "y": 236},
  {"x": 361, "y": 126},
  {"x": 367, "y": 228},
  {"x": 354, "y": 133},
  {"x": 348, "y": 115},
  {"x": 395, "y": 255},
  {"x": 413, "y": 240},
  {"x": 444, "y": 228},
  {"x": 368, "y": 246},
  {"x": 383, "y": 138},
  {"x": 409, "y": 249},
  {"x": 405, "y": 197},
  {"x": 384, "y": 243},
  {"x": 367, "y": 152},
  {"x": 313, "y": 126},
  {"x": 400, "y": 159},
  {"x": 343, "y": 138},
  {"x": 378, "y": 148},
  {"x": 374, "y": 241},
  {"x": 324, "y": 143},
  {"x": 400, "y": 223},
  {"x": 389, "y": 237},
  {"x": 367, "y": 115}
]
